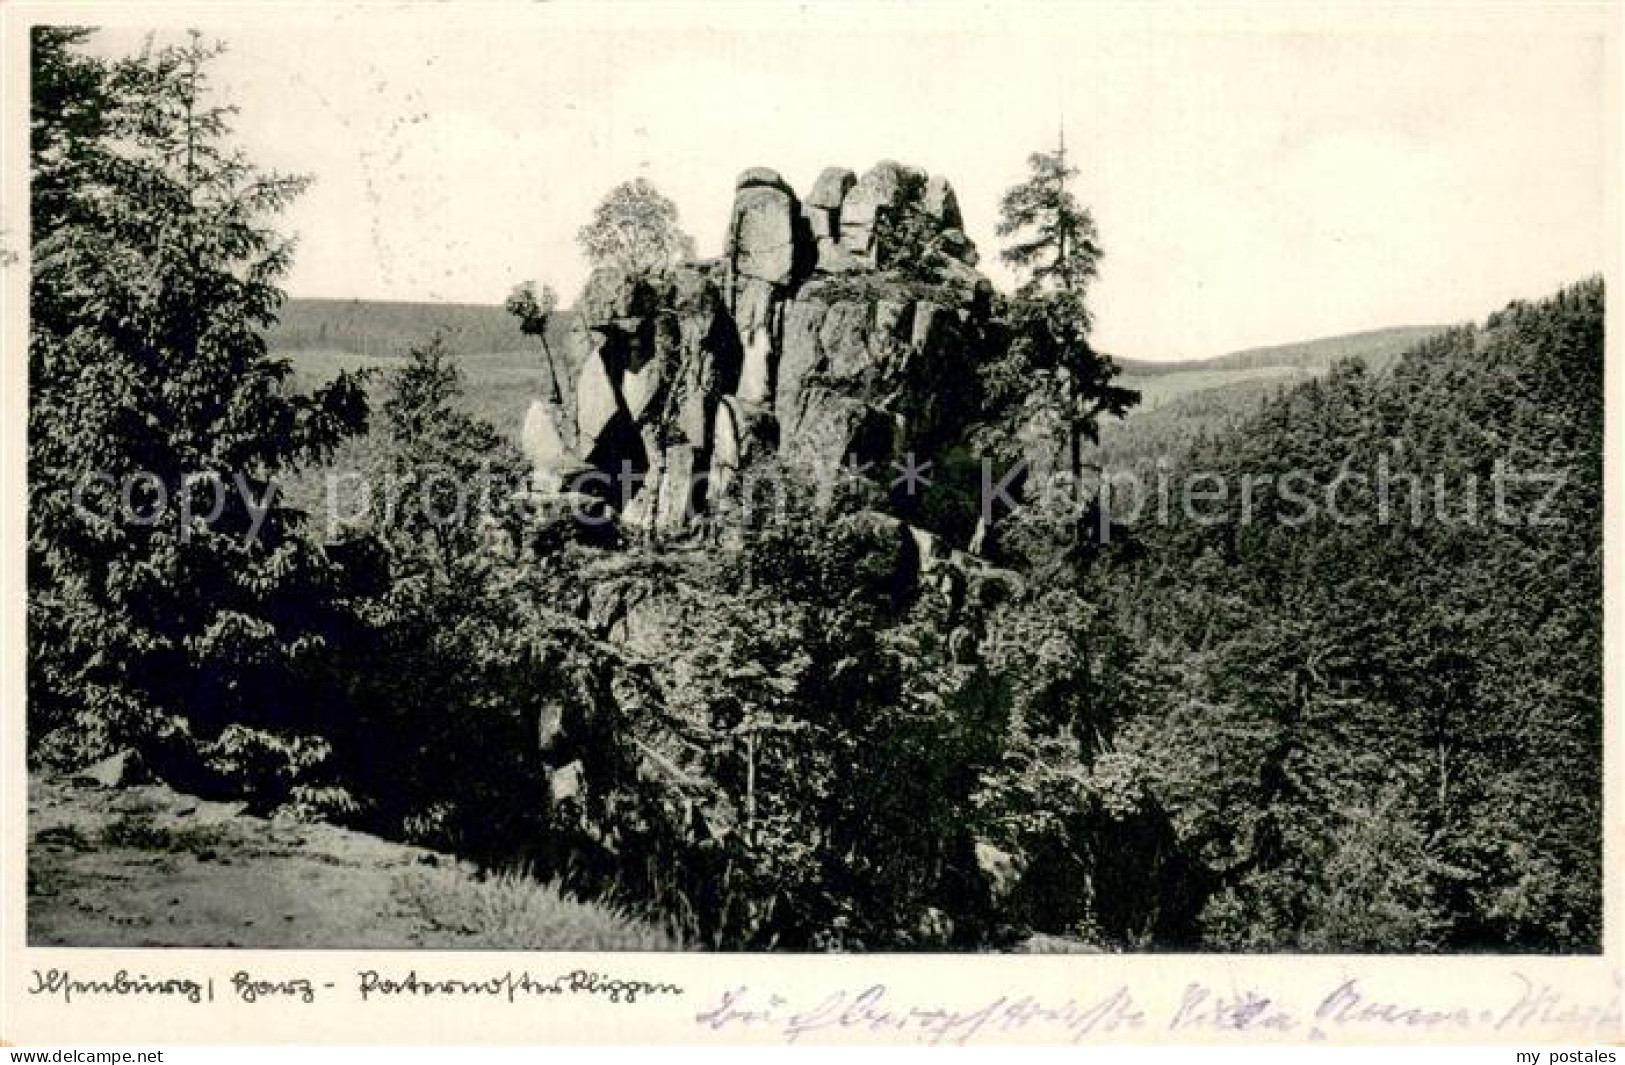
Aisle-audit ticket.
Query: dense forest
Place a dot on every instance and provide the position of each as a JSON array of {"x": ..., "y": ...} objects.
[
  {"x": 1387, "y": 730},
  {"x": 1351, "y": 702}
]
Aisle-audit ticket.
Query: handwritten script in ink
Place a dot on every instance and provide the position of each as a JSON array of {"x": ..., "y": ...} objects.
[
  {"x": 513, "y": 986},
  {"x": 194, "y": 990},
  {"x": 1348, "y": 1009},
  {"x": 370, "y": 985},
  {"x": 876, "y": 1010}
]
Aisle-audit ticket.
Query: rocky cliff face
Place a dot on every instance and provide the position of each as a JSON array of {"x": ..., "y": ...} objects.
[{"x": 803, "y": 341}]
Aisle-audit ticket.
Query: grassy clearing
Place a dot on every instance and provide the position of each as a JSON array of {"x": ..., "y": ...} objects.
[
  {"x": 140, "y": 832},
  {"x": 498, "y": 385},
  {"x": 1158, "y": 389},
  {"x": 513, "y": 911}
]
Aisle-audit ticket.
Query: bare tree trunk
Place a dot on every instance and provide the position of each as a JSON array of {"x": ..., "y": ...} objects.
[{"x": 552, "y": 368}]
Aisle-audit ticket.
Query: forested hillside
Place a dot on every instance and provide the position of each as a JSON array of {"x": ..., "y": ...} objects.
[
  {"x": 1381, "y": 728},
  {"x": 1183, "y": 403}
]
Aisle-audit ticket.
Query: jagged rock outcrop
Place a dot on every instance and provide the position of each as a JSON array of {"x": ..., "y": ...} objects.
[
  {"x": 793, "y": 343},
  {"x": 841, "y": 335}
]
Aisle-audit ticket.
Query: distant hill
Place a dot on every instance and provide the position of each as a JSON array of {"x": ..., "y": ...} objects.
[
  {"x": 1378, "y": 347},
  {"x": 388, "y": 328},
  {"x": 1183, "y": 402},
  {"x": 503, "y": 368},
  {"x": 1180, "y": 401}
]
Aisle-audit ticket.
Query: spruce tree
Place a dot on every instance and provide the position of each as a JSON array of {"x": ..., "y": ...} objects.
[
  {"x": 1054, "y": 243},
  {"x": 171, "y": 592},
  {"x": 1055, "y": 250}
]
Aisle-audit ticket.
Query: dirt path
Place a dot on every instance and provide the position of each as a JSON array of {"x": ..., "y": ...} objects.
[{"x": 148, "y": 867}]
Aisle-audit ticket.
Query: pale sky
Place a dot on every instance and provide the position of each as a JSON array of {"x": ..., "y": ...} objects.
[{"x": 1256, "y": 178}]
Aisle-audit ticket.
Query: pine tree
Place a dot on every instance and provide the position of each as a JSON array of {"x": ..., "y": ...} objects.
[
  {"x": 453, "y": 468},
  {"x": 1055, "y": 243},
  {"x": 1056, "y": 250},
  {"x": 151, "y": 390}
]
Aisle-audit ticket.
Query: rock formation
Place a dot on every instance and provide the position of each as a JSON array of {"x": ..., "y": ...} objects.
[
  {"x": 794, "y": 342},
  {"x": 841, "y": 335}
]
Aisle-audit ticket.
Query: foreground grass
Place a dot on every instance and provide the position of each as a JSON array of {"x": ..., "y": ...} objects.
[
  {"x": 147, "y": 866},
  {"x": 512, "y": 911}
]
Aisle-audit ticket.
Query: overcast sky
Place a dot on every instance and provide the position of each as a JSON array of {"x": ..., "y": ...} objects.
[{"x": 1255, "y": 179}]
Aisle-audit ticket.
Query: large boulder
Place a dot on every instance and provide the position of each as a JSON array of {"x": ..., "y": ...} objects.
[
  {"x": 829, "y": 191},
  {"x": 679, "y": 490},
  {"x": 727, "y": 447},
  {"x": 823, "y": 205},
  {"x": 743, "y": 435},
  {"x": 843, "y": 338},
  {"x": 709, "y": 359},
  {"x": 830, "y": 430},
  {"x": 801, "y": 353},
  {"x": 542, "y": 442},
  {"x": 880, "y": 191},
  {"x": 762, "y": 233},
  {"x": 889, "y": 348},
  {"x": 762, "y": 177},
  {"x": 831, "y": 257},
  {"x": 823, "y": 225},
  {"x": 598, "y": 398},
  {"x": 938, "y": 201},
  {"x": 758, "y": 311}
]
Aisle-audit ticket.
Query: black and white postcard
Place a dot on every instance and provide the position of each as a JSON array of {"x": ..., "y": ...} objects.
[{"x": 929, "y": 523}]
